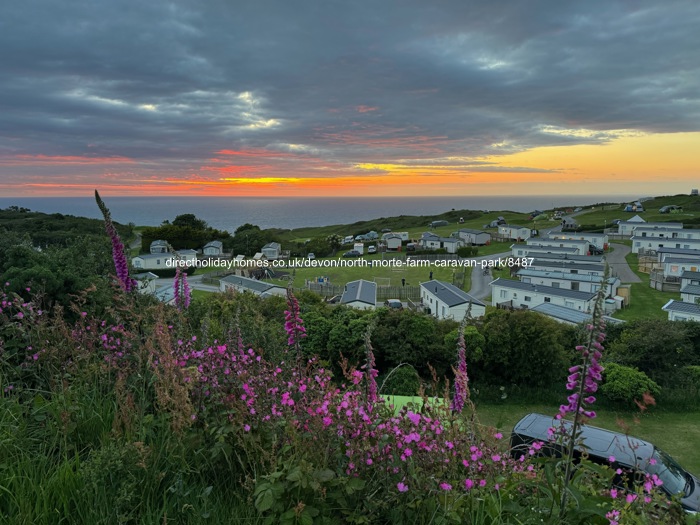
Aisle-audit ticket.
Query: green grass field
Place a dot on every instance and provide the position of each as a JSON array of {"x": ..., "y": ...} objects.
[
  {"x": 342, "y": 275},
  {"x": 645, "y": 302}
]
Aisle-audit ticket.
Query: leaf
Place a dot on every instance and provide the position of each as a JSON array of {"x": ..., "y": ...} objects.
[
  {"x": 306, "y": 518},
  {"x": 260, "y": 488},
  {"x": 295, "y": 475},
  {"x": 324, "y": 475},
  {"x": 354, "y": 484},
  {"x": 265, "y": 500}
]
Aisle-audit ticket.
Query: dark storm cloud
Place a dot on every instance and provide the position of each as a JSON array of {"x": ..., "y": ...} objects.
[{"x": 172, "y": 82}]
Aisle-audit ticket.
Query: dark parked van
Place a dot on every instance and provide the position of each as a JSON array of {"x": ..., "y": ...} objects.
[{"x": 632, "y": 454}]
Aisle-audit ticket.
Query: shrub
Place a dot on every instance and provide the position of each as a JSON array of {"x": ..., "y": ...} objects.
[
  {"x": 401, "y": 381},
  {"x": 468, "y": 251},
  {"x": 625, "y": 384},
  {"x": 691, "y": 375}
]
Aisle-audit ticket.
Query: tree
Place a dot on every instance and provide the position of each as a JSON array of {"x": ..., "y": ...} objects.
[
  {"x": 406, "y": 337},
  {"x": 335, "y": 242},
  {"x": 188, "y": 220},
  {"x": 249, "y": 239},
  {"x": 524, "y": 348},
  {"x": 658, "y": 347},
  {"x": 347, "y": 338}
]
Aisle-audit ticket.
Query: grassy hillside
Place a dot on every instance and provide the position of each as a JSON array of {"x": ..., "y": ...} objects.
[
  {"x": 599, "y": 215},
  {"x": 53, "y": 229}
]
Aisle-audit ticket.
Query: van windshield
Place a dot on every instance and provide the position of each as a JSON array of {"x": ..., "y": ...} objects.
[{"x": 671, "y": 473}]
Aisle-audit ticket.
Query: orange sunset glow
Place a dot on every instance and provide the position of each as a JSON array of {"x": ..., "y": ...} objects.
[
  {"x": 641, "y": 160},
  {"x": 465, "y": 100}
]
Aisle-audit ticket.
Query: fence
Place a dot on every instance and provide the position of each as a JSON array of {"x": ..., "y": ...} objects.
[
  {"x": 383, "y": 292},
  {"x": 433, "y": 257},
  {"x": 647, "y": 264},
  {"x": 214, "y": 276},
  {"x": 658, "y": 281}
]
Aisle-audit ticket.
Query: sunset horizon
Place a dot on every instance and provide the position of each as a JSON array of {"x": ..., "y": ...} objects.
[{"x": 240, "y": 101}]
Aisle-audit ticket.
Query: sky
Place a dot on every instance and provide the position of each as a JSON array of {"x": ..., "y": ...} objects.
[{"x": 351, "y": 98}]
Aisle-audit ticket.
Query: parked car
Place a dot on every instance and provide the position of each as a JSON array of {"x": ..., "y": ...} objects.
[
  {"x": 352, "y": 253},
  {"x": 411, "y": 247},
  {"x": 386, "y": 230},
  {"x": 371, "y": 249},
  {"x": 311, "y": 255},
  {"x": 594, "y": 250},
  {"x": 348, "y": 239},
  {"x": 394, "y": 304},
  {"x": 631, "y": 454}
]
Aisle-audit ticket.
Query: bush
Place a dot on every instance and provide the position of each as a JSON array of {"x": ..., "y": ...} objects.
[
  {"x": 401, "y": 381},
  {"x": 468, "y": 251},
  {"x": 692, "y": 375},
  {"x": 625, "y": 384}
]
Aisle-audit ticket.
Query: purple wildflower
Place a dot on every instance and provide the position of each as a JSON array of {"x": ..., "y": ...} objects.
[
  {"x": 294, "y": 324},
  {"x": 461, "y": 377},
  {"x": 121, "y": 265},
  {"x": 583, "y": 380},
  {"x": 370, "y": 367},
  {"x": 181, "y": 289}
]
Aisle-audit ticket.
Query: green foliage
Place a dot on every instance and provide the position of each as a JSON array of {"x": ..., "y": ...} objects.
[
  {"x": 44, "y": 230},
  {"x": 523, "y": 348},
  {"x": 319, "y": 246},
  {"x": 659, "y": 348},
  {"x": 182, "y": 237},
  {"x": 468, "y": 251},
  {"x": 59, "y": 272},
  {"x": 402, "y": 336},
  {"x": 474, "y": 342},
  {"x": 692, "y": 374},
  {"x": 401, "y": 381},
  {"x": 624, "y": 384},
  {"x": 346, "y": 338},
  {"x": 188, "y": 220},
  {"x": 301, "y": 493},
  {"x": 249, "y": 239},
  {"x": 260, "y": 322}
]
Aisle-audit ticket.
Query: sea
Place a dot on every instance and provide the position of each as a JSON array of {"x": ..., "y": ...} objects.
[{"x": 228, "y": 213}]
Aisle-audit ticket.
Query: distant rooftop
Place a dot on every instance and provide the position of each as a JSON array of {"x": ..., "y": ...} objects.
[
  {"x": 360, "y": 291},
  {"x": 568, "y": 314},
  {"x": 538, "y": 288},
  {"x": 449, "y": 294},
  {"x": 682, "y": 307}
]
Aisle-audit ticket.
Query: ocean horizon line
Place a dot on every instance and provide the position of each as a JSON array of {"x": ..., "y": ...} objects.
[{"x": 228, "y": 213}]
